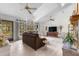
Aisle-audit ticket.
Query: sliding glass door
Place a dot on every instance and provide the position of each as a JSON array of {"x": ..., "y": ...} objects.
[{"x": 6, "y": 27}]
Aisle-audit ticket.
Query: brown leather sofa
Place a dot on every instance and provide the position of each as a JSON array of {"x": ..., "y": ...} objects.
[{"x": 33, "y": 40}]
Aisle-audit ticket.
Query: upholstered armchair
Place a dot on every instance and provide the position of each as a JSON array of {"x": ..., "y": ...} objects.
[{"x": 33, "y": 40}]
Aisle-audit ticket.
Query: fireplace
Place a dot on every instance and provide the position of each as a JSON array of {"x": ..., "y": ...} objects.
[{"x": 52, "y": 31}]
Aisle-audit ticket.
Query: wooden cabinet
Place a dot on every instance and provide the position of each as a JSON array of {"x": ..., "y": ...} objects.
[
  {"x": 74, "y": 19},
  {"x": 53, "y": 34}
]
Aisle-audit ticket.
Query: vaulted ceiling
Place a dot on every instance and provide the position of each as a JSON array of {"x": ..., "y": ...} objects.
[
  {"x": 49, "y": 9},
  {"x": 43, "y": 9}
]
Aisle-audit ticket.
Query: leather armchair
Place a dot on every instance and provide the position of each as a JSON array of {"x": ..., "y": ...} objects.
[{"x": 33, "y": 40}]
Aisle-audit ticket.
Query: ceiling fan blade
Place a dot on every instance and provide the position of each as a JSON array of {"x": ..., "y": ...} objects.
[
  {"x": 52, "y": 19},
  {"x": 28, "y": 6},
  {"x": 29, "y": 11},
  {"x": 33, "y": 8}
]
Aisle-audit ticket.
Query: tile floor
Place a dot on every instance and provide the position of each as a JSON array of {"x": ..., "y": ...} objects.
[{"x": 20, "y": 49}]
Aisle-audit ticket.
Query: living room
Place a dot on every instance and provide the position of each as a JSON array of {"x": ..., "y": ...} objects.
[{"x": 39, "y": 29}]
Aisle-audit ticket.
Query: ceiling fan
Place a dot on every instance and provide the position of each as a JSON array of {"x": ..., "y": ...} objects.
[
  {"x": 29, "y": 8},
  {"x": 51, "y": 19}
]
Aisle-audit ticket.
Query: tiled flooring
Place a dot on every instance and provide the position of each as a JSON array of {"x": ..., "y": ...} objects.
[{"x": 20, "y": 49}]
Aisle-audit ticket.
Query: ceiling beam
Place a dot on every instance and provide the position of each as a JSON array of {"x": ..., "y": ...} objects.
[{"x": 44, "y": 10}]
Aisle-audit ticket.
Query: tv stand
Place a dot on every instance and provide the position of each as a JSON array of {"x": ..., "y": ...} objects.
[{"x": 53, "y": 34}]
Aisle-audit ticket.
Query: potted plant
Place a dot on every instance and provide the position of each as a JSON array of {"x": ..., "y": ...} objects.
[{"x": 68, "y": 41}]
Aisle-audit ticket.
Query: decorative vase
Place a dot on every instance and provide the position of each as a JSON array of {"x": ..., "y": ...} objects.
[{"x": 67, "y": 45}]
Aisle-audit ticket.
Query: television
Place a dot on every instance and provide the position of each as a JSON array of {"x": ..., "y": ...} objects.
[{"x": 52, "y": 29}]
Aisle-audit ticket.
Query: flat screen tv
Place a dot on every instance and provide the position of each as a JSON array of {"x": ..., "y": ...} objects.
[{"x": 52, "y": 29}]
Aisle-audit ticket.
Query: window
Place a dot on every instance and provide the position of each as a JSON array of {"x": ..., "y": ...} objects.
[{"x": 22, "y": 26}]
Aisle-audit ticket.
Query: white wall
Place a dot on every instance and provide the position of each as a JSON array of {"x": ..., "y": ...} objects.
[
  {"x": 13, "y": 9},
  {"x": 61, "y": 18}
]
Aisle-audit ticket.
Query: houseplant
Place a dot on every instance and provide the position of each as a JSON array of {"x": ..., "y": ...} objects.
[
  {"x": 3, "y": 40},
  {"x": 68, "y": 41}
]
